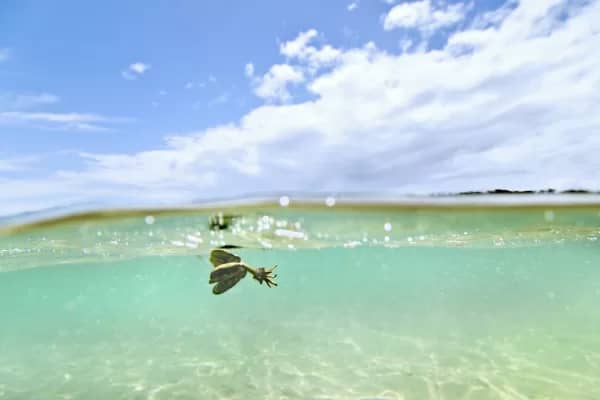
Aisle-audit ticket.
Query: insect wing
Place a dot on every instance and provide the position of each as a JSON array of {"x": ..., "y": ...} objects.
[
  {"x": 227, "y": 271},
  {"x": 227, "y": 284},
  {"x": 219, "y": 257}
]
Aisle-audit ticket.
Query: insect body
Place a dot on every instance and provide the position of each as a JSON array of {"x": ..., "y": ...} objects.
[{"x": 229, "y": 270}]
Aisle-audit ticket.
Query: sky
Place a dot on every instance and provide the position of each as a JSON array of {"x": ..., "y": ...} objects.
[{"x": 169, "y": 102}]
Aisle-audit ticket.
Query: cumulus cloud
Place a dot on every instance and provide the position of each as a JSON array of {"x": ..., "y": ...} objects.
[
  {"x": 135, "y": 70},
  {"x": 305, "y": 60},
  {"x": 296, "y": 47},
  {"x": 507, "y": 103},
  {"x": 299, "y": 49},
  {"x": 274, "y": 84},
  {"x": 424, "y": 16},
  {"x": 352, "y": 6}
]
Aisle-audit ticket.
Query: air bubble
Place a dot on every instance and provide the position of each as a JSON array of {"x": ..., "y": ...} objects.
[{"x": 284, "y": 201}]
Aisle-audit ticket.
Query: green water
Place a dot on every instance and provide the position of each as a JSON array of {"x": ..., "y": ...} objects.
[{"x": 371, "y": 304}]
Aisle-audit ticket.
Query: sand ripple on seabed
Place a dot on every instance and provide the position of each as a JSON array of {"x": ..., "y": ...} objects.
[{"x": 372, "y": 365}]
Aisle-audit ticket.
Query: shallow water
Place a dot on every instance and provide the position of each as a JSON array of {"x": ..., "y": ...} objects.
[{"x": 372, "y": 303}]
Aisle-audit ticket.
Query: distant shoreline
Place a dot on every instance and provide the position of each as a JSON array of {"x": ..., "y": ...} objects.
[
  {"x": 491, "y": 200},
  {"x": 507, "y": 191}
]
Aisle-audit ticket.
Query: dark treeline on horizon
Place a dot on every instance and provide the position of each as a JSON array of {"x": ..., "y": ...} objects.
[{"x": 544, "y": 191}]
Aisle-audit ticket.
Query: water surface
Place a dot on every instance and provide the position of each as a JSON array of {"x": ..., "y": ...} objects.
[{"x": 388, "y": 302}]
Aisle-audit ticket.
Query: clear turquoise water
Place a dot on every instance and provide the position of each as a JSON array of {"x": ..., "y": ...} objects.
[{"x": 476, "y": 304}]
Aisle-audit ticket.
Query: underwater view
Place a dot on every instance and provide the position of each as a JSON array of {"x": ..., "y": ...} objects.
[{"x": 373, "y": 301}]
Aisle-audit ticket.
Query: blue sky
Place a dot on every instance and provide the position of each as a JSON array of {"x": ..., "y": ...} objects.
[{"x": 162, "y": 102}]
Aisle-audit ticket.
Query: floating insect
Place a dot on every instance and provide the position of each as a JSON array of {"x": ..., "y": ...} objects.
[{"x": 229, "y": 270}]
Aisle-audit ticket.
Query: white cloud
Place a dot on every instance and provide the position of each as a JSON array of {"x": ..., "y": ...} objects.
[
  {"x": 139, "y": 68},
  {"x": 405, "y": 45},
  {"x": 16, "y": 109},
  {"x": 473, "y": 37},
  {"x": 352, "y": 6},
  {"x": 300, "y": 50},
  {"x": 423, "y": 16},
  {"x": 494, "y": 17},
  {"x": 516, "y": 109},
  {"x": 52, "y": 117},
  {"x": 296, "y": 47},
  {"x": 135, "y": 70},
  {"x": 17, "y": 164},
  {"x": 15, "y": 101},
  {"x": 274, "y": 84},
  {"x": 75, "y": 121},
  {"x": 249, "y": 70}
]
